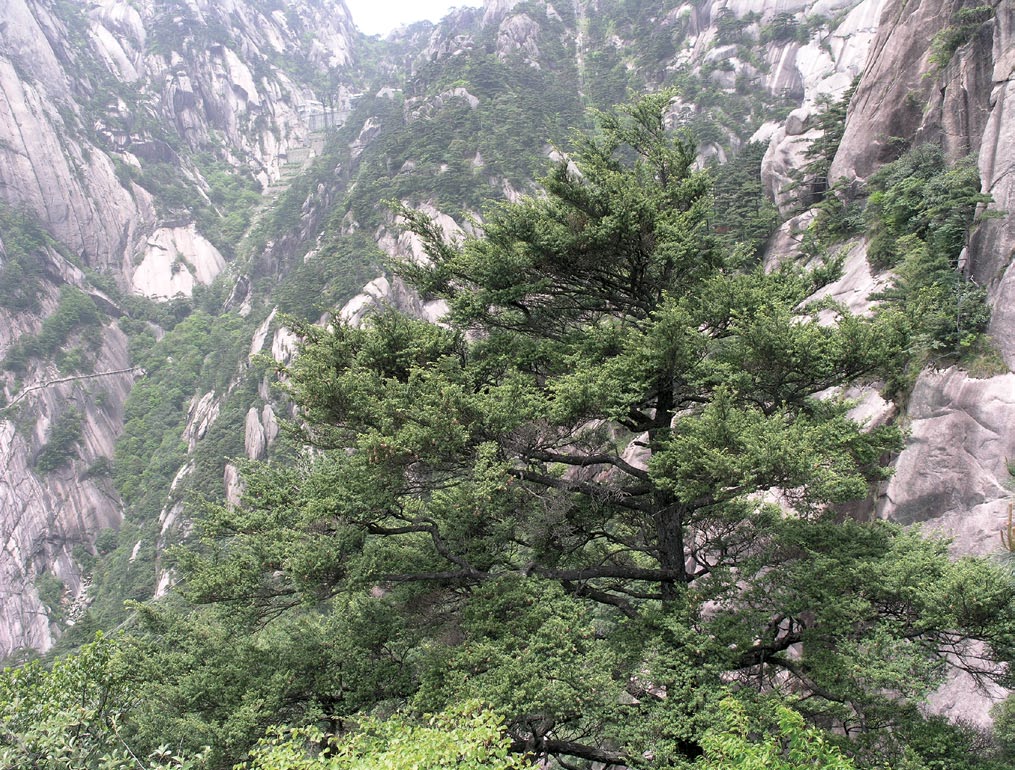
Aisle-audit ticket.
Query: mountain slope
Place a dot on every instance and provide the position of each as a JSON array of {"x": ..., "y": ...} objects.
[{"x": 132, "y": 137}]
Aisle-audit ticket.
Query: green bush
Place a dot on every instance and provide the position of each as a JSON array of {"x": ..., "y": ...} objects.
[
  {"x": 62, "y": 444},
  {"x": 50, "y": 589},
  {"x": 964, "y": 25},
  {"x": 77, "y": 312},
  {"x": 918, "y": 217},
  {"x": 22, "y": 270}
]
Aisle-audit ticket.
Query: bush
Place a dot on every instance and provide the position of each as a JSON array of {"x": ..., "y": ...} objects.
[
  {"x": 21, "y": 275},
  {"x": 61, "y": 447},
  {"x": 918, "y": 217},
  {"x": 76, "y": 312},
  {"x": 964, "y": 25}
]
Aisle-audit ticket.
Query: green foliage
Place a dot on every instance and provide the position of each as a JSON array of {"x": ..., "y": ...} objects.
[
  {"x": 76, "y": 312},
  {"x": 234, "y": 196},
  {"x": 784, "y": 28},
  {"x": 61, "y": 444},
  {"x": 920, "y": 195},
  {"x": 333, "y": 276},
  {"x": 963, "y": 26},
  {"x": 743, "y": 214},
  {"x": 24, "y": 242},
  {"x": 555, "y": 502},
  {"x": 468, "y": 737},
  {"x": 613, "y": 72},
  {"x": 222, "y": 679},
  {"x": 105, "y": 541},
  {"x": 735, "y": 744},
  {"x": 731, "y": 28},
  {"x": 813, "y": 179},
  {"x": 51, "y": 590},
  {"x": 441, "y": 148},
  {"x": 919, "y": 213},
  {"x": 219, "y": 198},
  {"x": 197, "y": 356},
  {"x": 75, "y": 715},
  {"x": 125, "y": 572}
]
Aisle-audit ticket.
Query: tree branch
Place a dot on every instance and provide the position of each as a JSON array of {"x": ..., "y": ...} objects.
[
  {"x": 582, "y": 461},
  {"x": 603, "y": 597},
  {"x": 586, "y": 488}
]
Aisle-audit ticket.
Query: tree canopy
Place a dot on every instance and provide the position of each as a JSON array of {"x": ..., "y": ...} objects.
[{"x": 606, "y": 491}]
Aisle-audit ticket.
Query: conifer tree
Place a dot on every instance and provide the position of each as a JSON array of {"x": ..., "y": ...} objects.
[{"x": 605, "y": 492}]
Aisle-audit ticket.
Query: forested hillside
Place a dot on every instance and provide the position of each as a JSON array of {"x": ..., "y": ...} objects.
[{"x": 556, "y": 386}]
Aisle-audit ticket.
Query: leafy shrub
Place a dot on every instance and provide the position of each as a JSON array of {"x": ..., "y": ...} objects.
[
  {"x": 920, "y": 195},
  {"x": 918, "y": 216},
  {"x": 964, "y": 25},
  {"x": 76, "y": 312},
  {"x": 22, "y": 269},
  {"x": 61, "y": 445},
  {"x": 50, "y": 589}
]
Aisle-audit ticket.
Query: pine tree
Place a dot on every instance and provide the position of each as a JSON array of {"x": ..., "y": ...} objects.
[{"x": 603, "y": 493}]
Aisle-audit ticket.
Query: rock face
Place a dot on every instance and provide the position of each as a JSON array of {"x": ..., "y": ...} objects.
[
  {"x": 73, "y": 191},
  {"x": 993, "y": 244},
  {"x": 104, "y": 106},
  {"x": 824, "y": 68},
  {"x": 46, "y": 515},
  {"x": 953, "y": 473},
  {"x": 63, "y": 142},
  {"x": 175, "y": 260}
]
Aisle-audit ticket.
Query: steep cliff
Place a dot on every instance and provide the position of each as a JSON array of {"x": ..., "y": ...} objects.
[
  {"x": 134, "y": 139},
  {"x": 939, "y": 73}
]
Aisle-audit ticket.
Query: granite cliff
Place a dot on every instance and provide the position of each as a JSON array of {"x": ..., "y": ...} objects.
[{"x": 112, "y": 115}]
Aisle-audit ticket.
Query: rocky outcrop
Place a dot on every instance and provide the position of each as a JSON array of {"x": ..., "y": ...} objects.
[
  {"x": 824, "y": 67},
  {"x": 103, "y": 106},
  {"x": 992, "y": 247},
  {"x": 175, "y": 260},
  {"x": 401, "y": 245},
  {"x": 46, "y": 517},
  {"x": 43, "y": 169},
  {"x": 953, "y": 475},
  {"x": 207, "y": 70}
]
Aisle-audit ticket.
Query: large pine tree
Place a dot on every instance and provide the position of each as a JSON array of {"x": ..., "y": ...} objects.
[{"x": 606, "y": 491}]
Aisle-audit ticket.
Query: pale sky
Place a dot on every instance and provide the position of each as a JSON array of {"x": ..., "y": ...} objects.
[{"x": 378, "y": 17}]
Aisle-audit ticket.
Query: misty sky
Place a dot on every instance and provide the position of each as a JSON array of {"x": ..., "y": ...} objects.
[{"x": 378, "y": 17}]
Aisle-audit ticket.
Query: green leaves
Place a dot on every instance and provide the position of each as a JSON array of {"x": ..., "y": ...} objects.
[
  {"x": 919, "y": 213},
  {"x": 75, "y": 714},
  {"x": 733, "y": 449},
  {"x": 604, "y": 494},
  {"x": 788, "y": 744},
  {"x": 467, "y": 737}
]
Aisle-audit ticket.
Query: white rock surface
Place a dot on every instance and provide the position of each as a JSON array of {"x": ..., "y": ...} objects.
[
  {"x": 953, "y": 474},
  {"x": 43, "y": 516},
  {"x": 855, "y": 286},
  {"x": 175, "y": 260},
  {"x": 825, "y": 68}
]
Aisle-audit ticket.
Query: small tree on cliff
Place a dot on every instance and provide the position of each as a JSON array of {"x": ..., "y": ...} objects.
[{"x": 565, "y": 491}]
